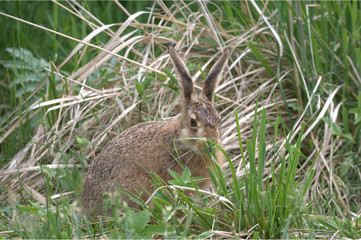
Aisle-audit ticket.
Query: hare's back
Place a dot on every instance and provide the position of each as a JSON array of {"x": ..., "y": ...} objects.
[{"x": 141, "y": 144}]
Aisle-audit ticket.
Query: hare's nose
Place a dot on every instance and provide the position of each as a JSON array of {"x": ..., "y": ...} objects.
[
  {"x": 210, "y": 143},
  {"x": 214, "y": 140}
]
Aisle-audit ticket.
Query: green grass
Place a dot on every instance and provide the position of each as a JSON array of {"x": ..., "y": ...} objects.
[{"x": 293, "y": 157}]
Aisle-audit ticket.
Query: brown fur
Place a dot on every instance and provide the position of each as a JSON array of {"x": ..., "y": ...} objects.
[{"x": 150, "y": 147}]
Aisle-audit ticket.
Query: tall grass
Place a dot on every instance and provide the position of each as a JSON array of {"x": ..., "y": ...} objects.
[{"x": 290, "y": 101}]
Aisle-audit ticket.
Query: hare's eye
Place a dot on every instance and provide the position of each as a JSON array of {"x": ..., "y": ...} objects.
[{"x": 193, "y": 122}]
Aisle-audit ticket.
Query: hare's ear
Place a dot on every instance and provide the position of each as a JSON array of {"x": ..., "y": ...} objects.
[
  {"x": 212, "y": 79},
  {"x": 185, "y": 80}
]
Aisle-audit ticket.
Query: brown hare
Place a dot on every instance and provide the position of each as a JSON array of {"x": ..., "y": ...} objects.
[{"x": 128, "y": 159}]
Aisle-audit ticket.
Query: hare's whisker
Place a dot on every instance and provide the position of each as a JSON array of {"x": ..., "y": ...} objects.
[{"x": 190, "y": 151}]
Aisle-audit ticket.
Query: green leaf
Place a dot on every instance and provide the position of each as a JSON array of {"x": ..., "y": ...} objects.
[
  {"x": 204, "y": 235},
  {"x": 177, "y": 177},
  {"x": 171, "y": 77},
  {"x": 33, "y": 208},
  {"x": 325, "y": 221},
  {"x": 211, "y": 211},
  {"x": 140, "y": 89},
  {"x": 347, "y": 136},
  {"x": 345, "y": 167},
  {"x": 82, "y": 141},
  {"x": 48, "y": 171},
  {"x": 295, "y": 106},
  {"x": 354, "y": 111},
  {"x": 17, "y": 64},
  {"x": 159, "y": 229},
  {"x": 261, "y": 59},
  {"x": 335, "y": 129},
  {"x": 262, "y": 148},
  {"x": 141, "y": 220},
  {"x": 357, "y": 120},
  {"x": 30, "y": 61},
  {"x": 203, "y": 74},
  {"x": 174, "y": 89},
  {"x": 186, "y": 173}
]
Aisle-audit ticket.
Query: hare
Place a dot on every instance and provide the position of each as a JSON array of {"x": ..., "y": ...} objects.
[{"x": 127, "y": 160}]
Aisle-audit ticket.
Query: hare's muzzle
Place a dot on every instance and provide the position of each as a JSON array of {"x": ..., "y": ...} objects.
[
  {"x": 211, "y": 142},
  {"x": 208, "y": 143}
]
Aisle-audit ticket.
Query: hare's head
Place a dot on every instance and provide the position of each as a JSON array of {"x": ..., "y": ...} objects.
[{"x": 199, "y": 119}]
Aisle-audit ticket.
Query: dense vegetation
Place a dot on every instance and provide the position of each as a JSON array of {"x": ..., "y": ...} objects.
[{"x": 75, "y": 74}]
